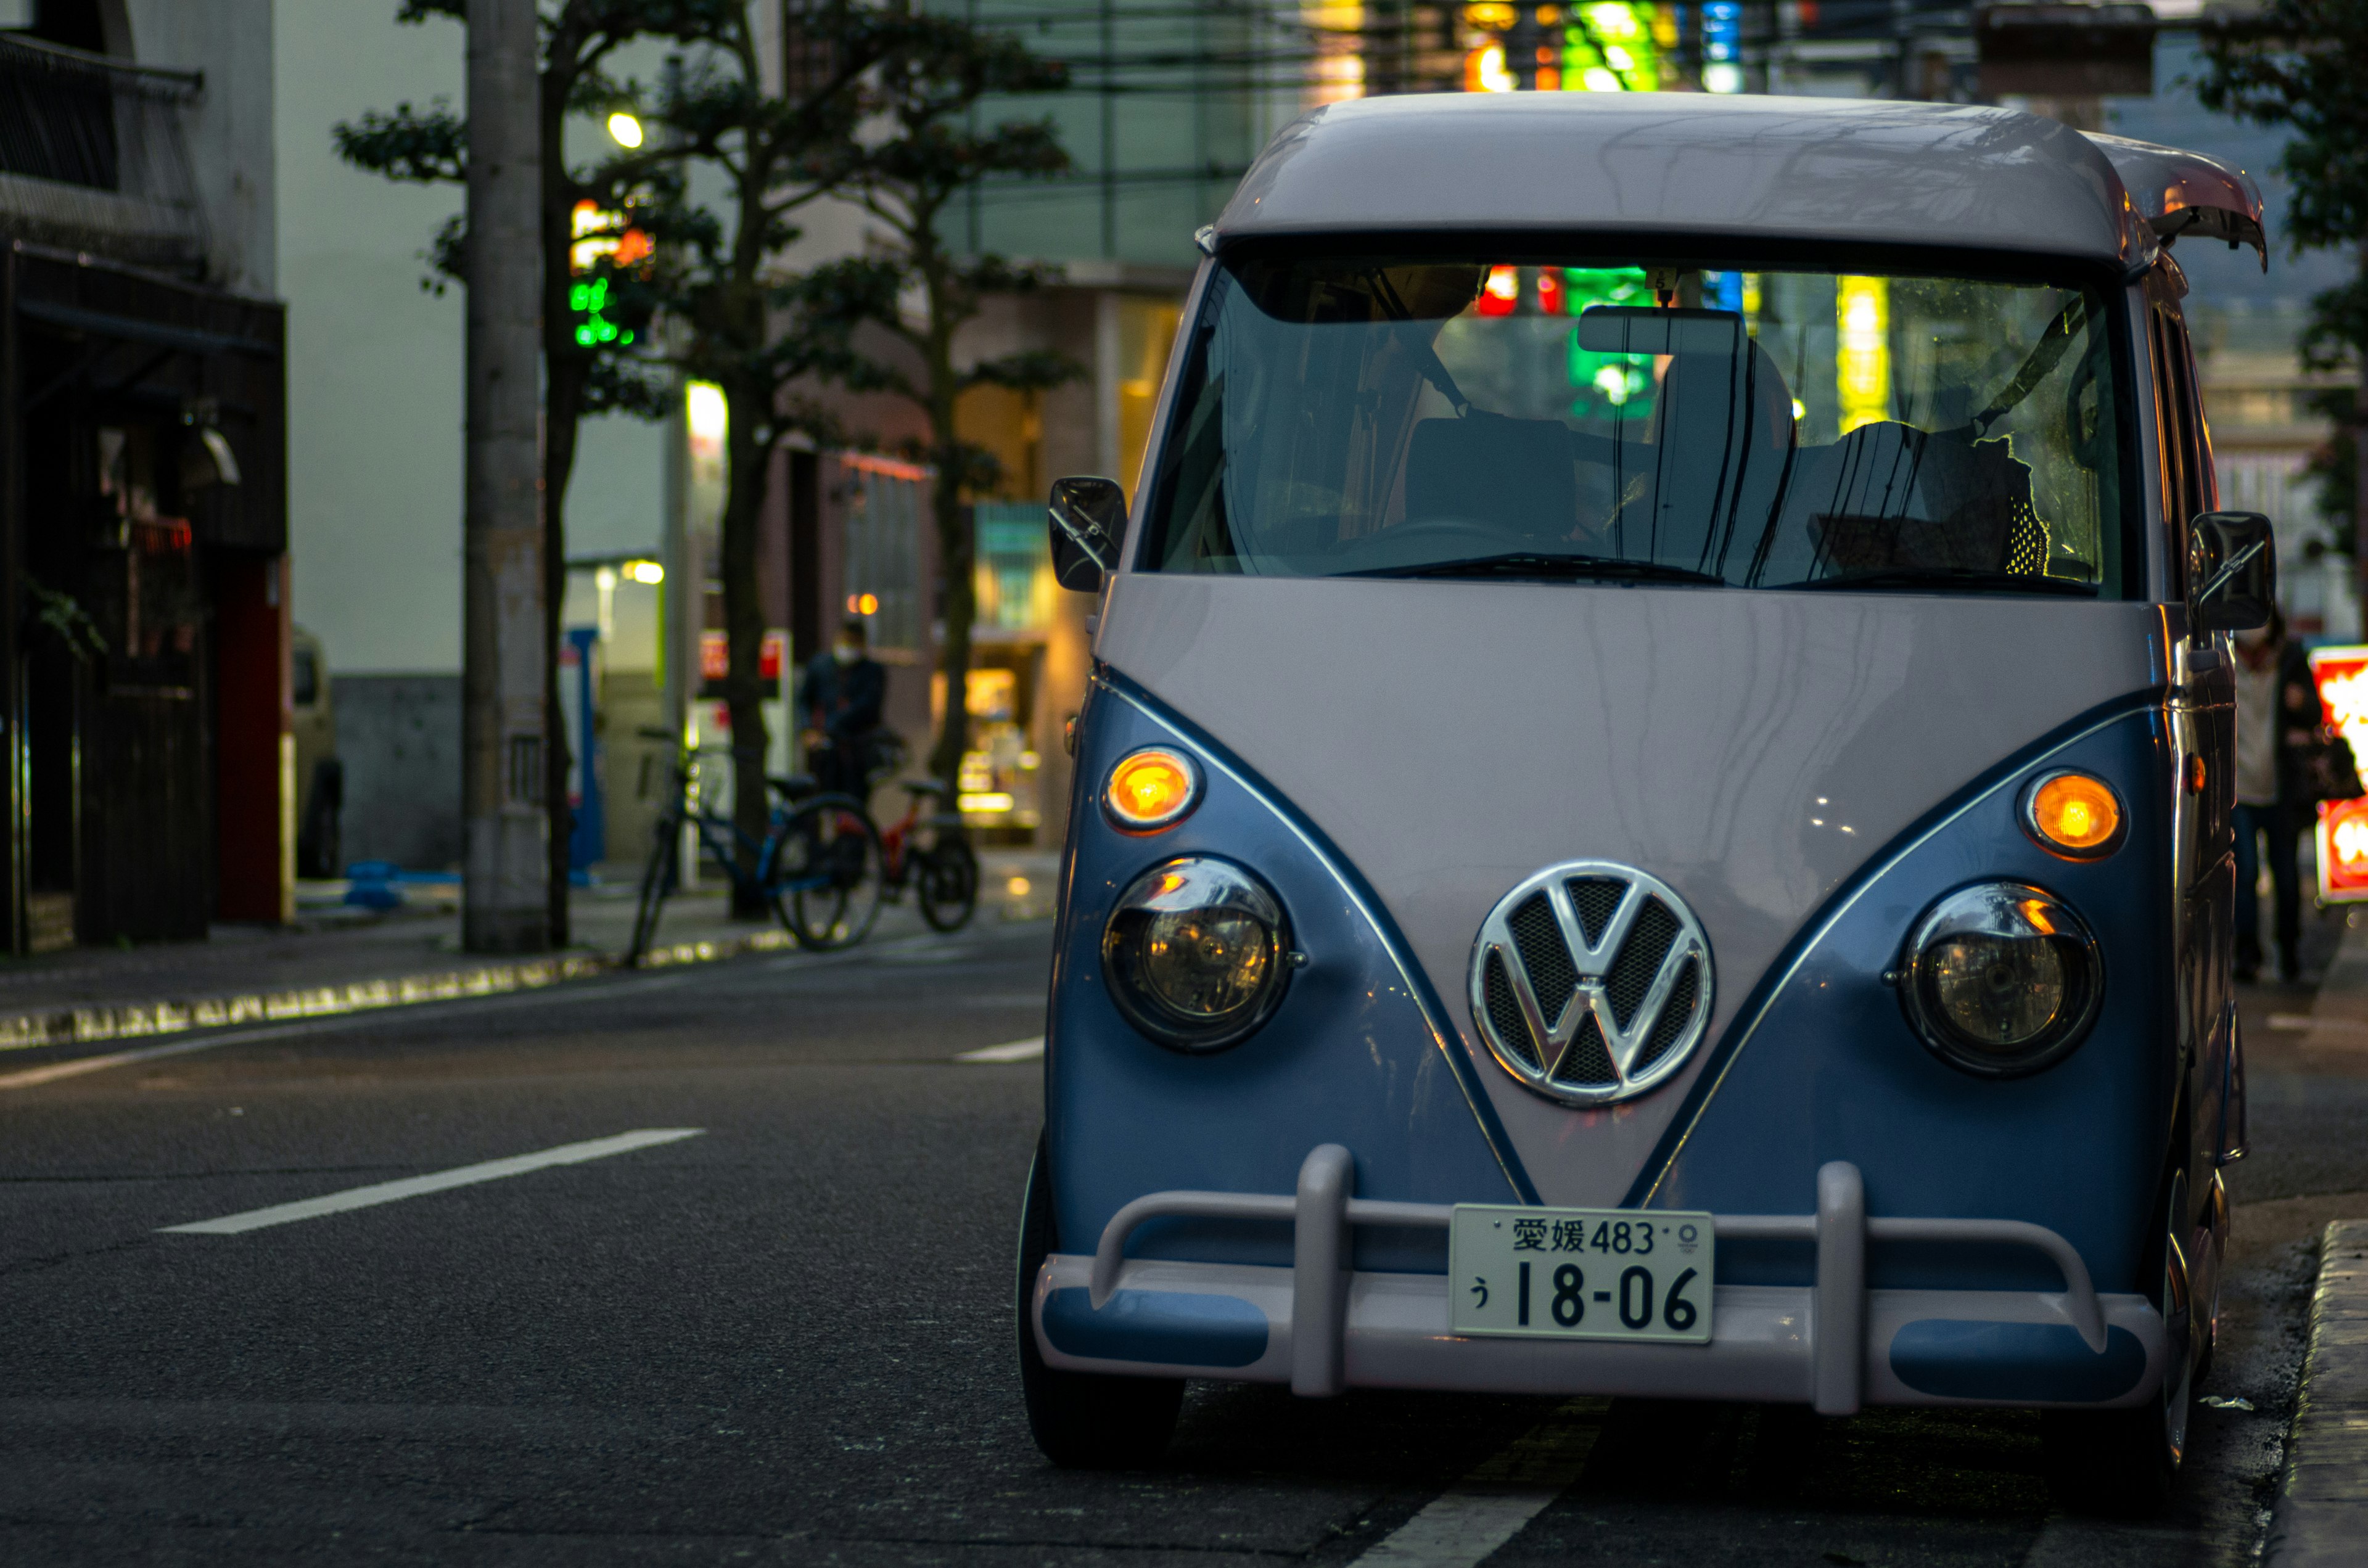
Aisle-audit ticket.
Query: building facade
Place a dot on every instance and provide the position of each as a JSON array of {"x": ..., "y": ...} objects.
[{"x": 145, "y": 617}]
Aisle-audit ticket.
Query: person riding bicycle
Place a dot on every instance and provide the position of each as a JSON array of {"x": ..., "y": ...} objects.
[{"x": 843, "y": 691}]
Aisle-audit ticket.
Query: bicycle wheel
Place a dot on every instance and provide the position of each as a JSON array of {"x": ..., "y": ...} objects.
[
  {"x": 826, "y": 873},
  {"x": 657, "y": 880},
  {"x": 945, "y": 884}
]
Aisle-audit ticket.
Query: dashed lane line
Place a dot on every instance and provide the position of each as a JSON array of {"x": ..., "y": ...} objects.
[
  {"x": 1030, "y": 1050},
  {"x": 1488, "y": 1507},
  {"x": 440, "y": 1181}
]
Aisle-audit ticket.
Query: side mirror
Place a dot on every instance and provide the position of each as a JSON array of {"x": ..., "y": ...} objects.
[
  {"x": 2232, "y": 571},
  {"x": 1087, "y": 516}
]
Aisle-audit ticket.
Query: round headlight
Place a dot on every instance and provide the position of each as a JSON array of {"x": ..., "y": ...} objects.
[
  {"x": 1196, "y": 952},
  {"x": 2001, "y": 980}
]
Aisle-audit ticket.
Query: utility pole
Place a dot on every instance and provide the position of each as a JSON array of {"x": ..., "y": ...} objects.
[
  {"x": 2360, "y": 473},
  {"x": 504, "y": 900}
]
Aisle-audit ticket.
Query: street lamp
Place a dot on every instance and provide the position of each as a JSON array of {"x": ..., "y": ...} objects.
[{"x": 625, "y": 130}]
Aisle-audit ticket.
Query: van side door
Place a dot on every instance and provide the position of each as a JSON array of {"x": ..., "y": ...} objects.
[{"x": 2203, "y": 734}]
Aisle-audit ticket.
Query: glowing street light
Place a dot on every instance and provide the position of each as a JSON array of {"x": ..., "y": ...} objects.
[{"x": 625, "y": 129}]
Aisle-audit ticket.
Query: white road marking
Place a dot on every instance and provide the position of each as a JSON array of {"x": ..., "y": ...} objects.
[
  {"x": 2304, "y": 1021},
  {"x": 1016, "y": 1050},
  {"x": 1488, "y": 1507},
  {"x": 414, "y": 1186}
]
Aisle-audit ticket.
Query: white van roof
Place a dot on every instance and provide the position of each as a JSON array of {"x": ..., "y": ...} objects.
[{"x": 1852, "y": 170}]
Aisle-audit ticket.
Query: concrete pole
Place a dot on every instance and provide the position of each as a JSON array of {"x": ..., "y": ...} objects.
[
  {"x": 504, "y": 900},
  {"x": 2360, "y": 473}
]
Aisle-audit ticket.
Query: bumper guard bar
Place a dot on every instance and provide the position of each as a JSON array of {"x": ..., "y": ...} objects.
[{"x": 1324, "y": 1209}]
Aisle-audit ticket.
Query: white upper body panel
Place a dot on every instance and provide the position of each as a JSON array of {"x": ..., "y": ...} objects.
[{"x": 1851, "y": 171}]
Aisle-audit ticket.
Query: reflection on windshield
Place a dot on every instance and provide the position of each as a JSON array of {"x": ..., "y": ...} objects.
[{"x": 1769, "y": 429}]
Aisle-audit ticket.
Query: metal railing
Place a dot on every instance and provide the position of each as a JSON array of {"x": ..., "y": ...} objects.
[{"x": 93, "y": 154}]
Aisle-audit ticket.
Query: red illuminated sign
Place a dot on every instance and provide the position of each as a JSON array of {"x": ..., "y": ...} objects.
[
  {"x": 715, "y": 655},
  {"x": 2341, "y": 675},
  {"x": 1501, "y": 293}
]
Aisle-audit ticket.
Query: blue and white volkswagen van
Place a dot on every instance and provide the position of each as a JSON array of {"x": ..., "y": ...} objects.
[{"x": 1654, "y": 810}]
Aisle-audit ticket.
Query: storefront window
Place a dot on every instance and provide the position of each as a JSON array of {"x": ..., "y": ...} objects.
[{"x": 884, "y": 501}]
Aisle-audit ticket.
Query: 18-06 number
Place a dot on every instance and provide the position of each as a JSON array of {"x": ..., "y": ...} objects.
[
  {"x": 1582, "y": 1273},
  {"x": 1568, "y": 1303}
]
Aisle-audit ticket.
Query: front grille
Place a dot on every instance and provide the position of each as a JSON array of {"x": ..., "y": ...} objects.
[
  {"x": 1552, "y": 974},
  {"x": 1671, "y": 1027},
  {"x": 1586, "y": 1065},
  {"x": 1597, "y": 899},
  {"x": 1640, "y": 960},
  {"x": 1539, "y": 958}
]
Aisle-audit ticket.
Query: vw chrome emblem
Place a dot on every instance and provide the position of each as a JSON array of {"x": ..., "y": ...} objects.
[{"x": 1592, "y": 982}]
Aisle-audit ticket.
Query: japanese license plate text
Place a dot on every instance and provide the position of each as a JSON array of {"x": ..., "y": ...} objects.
[{"x": 1581, "y": 1273}]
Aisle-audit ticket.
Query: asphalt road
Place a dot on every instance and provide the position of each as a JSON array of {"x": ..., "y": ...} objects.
[{"x": 787, "y": 1338}]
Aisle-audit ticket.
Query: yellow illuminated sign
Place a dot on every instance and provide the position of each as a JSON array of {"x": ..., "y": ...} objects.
[
  {"x": 1611, "y": 46},
  {"x": 1862, "y": 361}
]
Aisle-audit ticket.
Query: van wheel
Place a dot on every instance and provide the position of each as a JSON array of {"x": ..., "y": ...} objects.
[
  {"x": 2126, "y": 1462},
  {"x": 1082, "y": 1420},
  {"x": 2207, "y": 1313}
]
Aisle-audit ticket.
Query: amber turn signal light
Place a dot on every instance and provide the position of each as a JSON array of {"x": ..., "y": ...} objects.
[
  {"x": 1152, "y": 789},
  {"x": 2076, "y": 815}
]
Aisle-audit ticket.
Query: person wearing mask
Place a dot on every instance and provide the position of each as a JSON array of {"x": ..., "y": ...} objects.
[
  {"x": 843, "y": 694},
  {"x": 2277, "y": 714}
]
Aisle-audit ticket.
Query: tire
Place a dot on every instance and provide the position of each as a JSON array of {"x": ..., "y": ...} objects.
[
  {"x": 657, "y": 880},
  {"x": 945, "y": 884},
  {"x": 2125, "y": 1463},
  {"x": 2215, "y": 1234},
  {"x": 828, "y": 873},
  {"x": 1082, "y": 1420}
]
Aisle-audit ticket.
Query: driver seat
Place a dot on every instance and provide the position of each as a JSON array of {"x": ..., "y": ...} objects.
[{"x": 1517, "y": 476}]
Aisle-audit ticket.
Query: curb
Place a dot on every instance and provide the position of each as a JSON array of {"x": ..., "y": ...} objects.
[
  {"x": 140, "y": 1020},
  {"x": 2320, "y": 1519}
]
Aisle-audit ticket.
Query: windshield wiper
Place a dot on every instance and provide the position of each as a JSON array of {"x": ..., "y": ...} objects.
[
  {"x": 1963, "y": 579},
  {"x": 1563, "y": 567}
]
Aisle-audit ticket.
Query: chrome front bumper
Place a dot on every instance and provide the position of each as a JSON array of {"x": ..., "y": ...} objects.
[{"x": 1836, "y": 1346}]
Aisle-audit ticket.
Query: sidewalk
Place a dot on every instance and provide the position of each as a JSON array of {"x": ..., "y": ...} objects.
[
  {"x": 2320, "y": 1515},
  {"x": 336, "y": 959}
]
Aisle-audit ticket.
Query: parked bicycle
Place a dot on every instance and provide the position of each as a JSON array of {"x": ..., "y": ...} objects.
[
  {"x": 818, "y": 868},
  {"x": 927, "y": 849}
]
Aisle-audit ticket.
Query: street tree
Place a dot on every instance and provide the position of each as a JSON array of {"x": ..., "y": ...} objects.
[
  {"x": 921, "y": 153},
  {"x": 769, "y": 335},
  {"x": 581, "y": 377},
  {"x": 2302, "y": 66}
]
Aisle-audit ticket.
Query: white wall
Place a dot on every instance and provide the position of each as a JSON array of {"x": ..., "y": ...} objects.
[
  {"x": 374, "y": 365},
  {"x": 230, "y": 129}
]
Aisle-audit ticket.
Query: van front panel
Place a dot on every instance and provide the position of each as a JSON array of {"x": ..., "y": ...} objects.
[{"x": 1752, "y": 751}]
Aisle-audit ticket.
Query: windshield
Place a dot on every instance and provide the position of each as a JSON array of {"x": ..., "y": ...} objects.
[{"x": 1344, "y": 415}]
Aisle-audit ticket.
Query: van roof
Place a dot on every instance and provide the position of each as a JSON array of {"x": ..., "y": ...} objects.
[{"x": 1852, "y": 170}]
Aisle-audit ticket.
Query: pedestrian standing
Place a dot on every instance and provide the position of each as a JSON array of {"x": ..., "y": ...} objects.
[
  {"x": 2277, "y": 717},
  {"x": 845, "y": 690}
]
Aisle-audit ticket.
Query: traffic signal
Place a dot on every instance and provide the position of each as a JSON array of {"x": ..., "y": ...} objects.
[
  {"x": 587, "y": 302},
  {"x": 606, "y": 250}
]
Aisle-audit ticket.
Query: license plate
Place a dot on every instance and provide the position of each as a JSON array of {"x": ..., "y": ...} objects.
[{"x": 1581, "y": 1273}]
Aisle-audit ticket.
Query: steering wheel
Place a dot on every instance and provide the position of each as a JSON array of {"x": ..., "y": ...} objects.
[{"x": 1426, "y": 539}]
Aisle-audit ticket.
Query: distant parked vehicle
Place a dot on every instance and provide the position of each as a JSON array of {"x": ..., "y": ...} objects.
[{"x": 321, "y": 777}]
